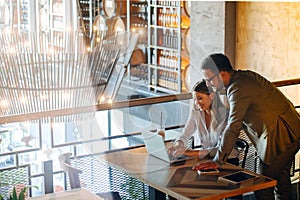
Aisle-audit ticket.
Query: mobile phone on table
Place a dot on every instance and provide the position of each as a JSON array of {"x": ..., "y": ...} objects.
[{"x": 207, "y": 171}]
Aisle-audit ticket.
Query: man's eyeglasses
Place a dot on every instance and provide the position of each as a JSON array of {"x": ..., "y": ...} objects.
[{"x": 209, "y": 80}]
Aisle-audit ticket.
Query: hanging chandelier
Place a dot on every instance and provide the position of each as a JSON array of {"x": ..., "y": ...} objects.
[{"x": 43, "y": 73}]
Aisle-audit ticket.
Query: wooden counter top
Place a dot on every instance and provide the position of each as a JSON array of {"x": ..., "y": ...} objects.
[{"x": 181, "y": 182}]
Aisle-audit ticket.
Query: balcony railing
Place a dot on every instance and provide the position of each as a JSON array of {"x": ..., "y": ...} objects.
[{"x": 74, "y": 146}]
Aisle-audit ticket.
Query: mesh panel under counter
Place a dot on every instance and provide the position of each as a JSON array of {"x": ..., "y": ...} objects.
[{"x": 98, "y": 177}]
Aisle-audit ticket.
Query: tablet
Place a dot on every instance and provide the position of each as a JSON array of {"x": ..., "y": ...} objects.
[{"x": 238, "y": 177}]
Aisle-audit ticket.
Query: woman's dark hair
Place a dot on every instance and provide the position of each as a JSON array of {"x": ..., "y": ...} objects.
[
  {"x": 202, "y": 87},
  {"x": 216, "y": 62}
]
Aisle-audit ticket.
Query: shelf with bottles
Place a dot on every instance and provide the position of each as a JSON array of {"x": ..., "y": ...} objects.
[
  {"x": 164, "y": 71},
  {"x": 165, "y": 39},
  {"x": 164, "y": 26},
  {"x": 141, "y": 15},
  {"x": 168, "y": 17},
  {"x": 165, "y": 60},
  {"x": 138, "y": 18},
  {"x": 170, "y": 3},
  {"x": 164, "y": 81},
  {"x": 139, "y": 73},
  {"x": 137, "y": 22},
  {"x": 138, "y": 13},
  {"x": 164, "y": 46},
  {"x": 138, "y": 7},
  {"x": 169, "y": 32},
  {"x": 139, "y": 4},
  {"x": 88, "y": 12},
  {"x": 141, "y": 30}
]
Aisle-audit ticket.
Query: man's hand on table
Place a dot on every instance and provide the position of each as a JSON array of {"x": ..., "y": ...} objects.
[{"x": 206, "y": 165}]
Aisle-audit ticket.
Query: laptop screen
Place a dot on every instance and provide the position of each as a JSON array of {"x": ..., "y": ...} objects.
[{"x": 155, "y": 145}]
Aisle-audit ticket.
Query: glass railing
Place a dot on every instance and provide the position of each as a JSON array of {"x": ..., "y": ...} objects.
[{"x": 27, "y": 139}]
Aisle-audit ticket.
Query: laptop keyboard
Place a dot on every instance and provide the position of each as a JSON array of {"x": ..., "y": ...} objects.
[{"x": 179, "y": 157}]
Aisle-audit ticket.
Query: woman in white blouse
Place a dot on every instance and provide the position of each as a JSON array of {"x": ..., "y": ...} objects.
[{"x": 206, "y": 122}]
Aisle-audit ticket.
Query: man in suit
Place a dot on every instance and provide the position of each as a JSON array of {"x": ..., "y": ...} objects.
[{"x": 271, "y": 121}]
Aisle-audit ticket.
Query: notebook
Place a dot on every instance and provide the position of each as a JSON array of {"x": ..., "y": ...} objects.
[{"x": 156, "y": 147}]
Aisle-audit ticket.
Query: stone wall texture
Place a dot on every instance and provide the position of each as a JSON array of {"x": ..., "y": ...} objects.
[
  {"x": 267, "y": 38},
  {"x": 207, "y": 33},
  {"x": 268, "y": 41}
]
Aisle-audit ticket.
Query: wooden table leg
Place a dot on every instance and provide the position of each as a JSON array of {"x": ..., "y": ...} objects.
[{"x": 155, "y": 194}]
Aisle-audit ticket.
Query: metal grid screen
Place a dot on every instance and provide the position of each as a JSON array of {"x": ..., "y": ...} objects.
[
  {"x": 98, "y": 177},
  {"x": 18, "y": 177}
]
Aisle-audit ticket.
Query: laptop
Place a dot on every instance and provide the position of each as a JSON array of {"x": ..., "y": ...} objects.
[{"x": 156, "y": 147}]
